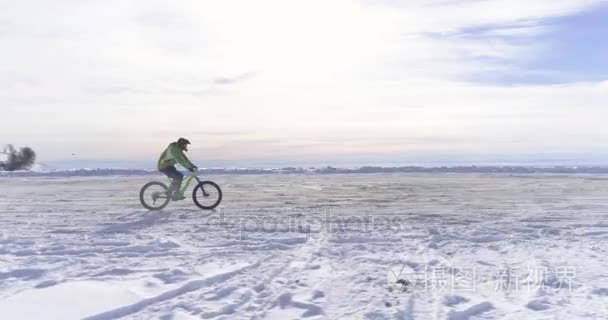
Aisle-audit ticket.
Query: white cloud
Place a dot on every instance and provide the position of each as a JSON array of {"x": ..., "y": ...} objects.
[{"x": 383, "y": 76}]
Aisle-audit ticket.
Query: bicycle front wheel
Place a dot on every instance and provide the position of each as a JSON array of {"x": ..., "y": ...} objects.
[
  {"x": 207, "y": 195},
  {"x": 154, "y": 195}
]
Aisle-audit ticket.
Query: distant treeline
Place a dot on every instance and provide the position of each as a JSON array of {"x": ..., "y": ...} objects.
[{"x": 323, "y": 170}]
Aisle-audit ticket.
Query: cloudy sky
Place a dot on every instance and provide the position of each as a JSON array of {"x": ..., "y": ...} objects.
[{"x": 312, "y": 80}]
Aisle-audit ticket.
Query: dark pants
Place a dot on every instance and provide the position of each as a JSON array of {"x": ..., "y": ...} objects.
[{"x": 176, "y": 177}]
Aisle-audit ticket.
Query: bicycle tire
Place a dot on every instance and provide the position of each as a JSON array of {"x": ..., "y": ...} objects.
[
  {"x": 207, "y": 184},
  {"x": 142, "y": 194}
]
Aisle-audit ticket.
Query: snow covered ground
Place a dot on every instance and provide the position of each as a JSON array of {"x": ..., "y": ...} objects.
[{"x": 470, "y": 246}]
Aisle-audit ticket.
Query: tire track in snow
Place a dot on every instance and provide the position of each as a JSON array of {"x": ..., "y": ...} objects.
[
  {"x": 297, "y": 259},
  {"x": 168, "y": 295}
]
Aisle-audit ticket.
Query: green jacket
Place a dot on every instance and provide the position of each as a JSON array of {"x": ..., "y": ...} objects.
[{"x": 172, "y": 155}]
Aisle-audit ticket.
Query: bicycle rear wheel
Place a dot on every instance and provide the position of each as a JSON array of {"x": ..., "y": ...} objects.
[
  {"x": 207, "y": 195},
  {"x": 154, "y": 195}
]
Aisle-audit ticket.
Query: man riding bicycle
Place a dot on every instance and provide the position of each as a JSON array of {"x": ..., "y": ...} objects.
[{"x": 173, "y": 154}]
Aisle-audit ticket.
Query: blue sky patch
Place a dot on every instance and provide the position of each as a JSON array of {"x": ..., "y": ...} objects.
[{"x": 574, "y": 48}]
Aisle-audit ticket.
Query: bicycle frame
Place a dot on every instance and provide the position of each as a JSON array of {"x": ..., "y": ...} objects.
[{"x": 187, "y": 182}]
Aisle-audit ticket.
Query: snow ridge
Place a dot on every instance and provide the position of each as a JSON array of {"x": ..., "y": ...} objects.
[{"x": 319, "y": 170}]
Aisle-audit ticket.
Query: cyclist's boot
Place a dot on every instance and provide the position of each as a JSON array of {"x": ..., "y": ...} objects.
[
  {"x": 174, "y": 191},
  {"x": 177, "y": 197}
]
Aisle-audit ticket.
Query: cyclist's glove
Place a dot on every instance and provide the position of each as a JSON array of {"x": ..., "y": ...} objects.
[{"x": 192, "y": 169}]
